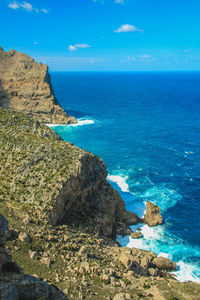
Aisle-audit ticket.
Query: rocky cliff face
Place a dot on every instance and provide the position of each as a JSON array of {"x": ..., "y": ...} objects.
[
  {"x": 56, "y": 181},
  {"x": 61, "y": 210},
  {"x": 26, "y": 86}
]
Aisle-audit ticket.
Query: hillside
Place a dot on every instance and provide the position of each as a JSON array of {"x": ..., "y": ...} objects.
[{"x": 62, "y": 217}]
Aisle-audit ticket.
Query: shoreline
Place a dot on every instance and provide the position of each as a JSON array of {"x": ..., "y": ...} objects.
[{"x": 119, "y": 182}]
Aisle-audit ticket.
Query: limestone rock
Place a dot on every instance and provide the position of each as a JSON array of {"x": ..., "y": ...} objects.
[
  {"x": 136, "y": 235},
  {"x": 26, "y": 86},
  {"x": 14, "y": 284},
  {"x": 23, "y": 237},
  {"x": 163, "y": 263},
  {"x": 152, "y": 215}
]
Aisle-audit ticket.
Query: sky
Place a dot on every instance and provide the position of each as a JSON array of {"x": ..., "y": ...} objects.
[{"x": 104, "y": 35}]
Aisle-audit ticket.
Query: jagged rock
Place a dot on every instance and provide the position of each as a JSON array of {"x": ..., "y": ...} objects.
[
  {"x": 26, "y": 86},
  {"x": 46, "y": 261},
  {"x": 4, "y": 257},
  {"x": 163, "y": 263},
  {"x": 3, "y": 229},
  {"x": 23, "y": 237},
  {"x": 14, "y": 284},
  {"x": 152, "y": 215},
  {"x": 136, "y": 235},
  {"x": 33, "y": 254}
]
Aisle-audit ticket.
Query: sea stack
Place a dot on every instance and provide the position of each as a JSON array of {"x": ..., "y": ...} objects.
[
  {"x": 152, "y": 215},
  {"x": 25, "y": 86}
]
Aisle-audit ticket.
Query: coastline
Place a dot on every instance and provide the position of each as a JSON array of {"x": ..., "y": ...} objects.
[{"x": 185, "y": 270}]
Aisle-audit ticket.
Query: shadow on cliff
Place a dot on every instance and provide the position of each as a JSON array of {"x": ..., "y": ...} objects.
[{"x": 4, "y": 97}]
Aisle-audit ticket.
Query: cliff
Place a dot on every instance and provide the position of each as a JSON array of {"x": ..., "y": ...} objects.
[
  {"x": 26, "y": 86},
  {"x": 55, "y": 181},
  {"x": 62, "y": 213}
]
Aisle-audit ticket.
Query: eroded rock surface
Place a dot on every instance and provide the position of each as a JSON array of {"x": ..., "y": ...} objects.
[
  {"x": 14, "y": 284},
  {"x": 152, "y": 215},
  {"x": 55, "y": 181},
  {"x": 26, "y": 86}
]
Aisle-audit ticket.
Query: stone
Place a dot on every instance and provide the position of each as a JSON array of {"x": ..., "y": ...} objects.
[
  {"x": 33, "y": 254},
  {"x": 26, "y": 220},
  {"x": 152, "y": 215},
  {"x": 136, "y": 235},
  {"x": 163, "y": 263},
  {"x": 46, "y": 261},
  {"x": 23, "y": 237}
]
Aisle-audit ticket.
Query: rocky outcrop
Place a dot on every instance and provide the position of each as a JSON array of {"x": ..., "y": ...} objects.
[
  {"x": 55, "y": 181},
  {"x": 152, "y": 215},
  {"x": 14, "y": 284},
  {"x": 26, "y": 86},
  {"x": 54, "y": 195},
  {"x": 143, "y": 262}
]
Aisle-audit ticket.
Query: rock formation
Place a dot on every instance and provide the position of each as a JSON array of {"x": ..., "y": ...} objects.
[
  {"x": 26, "y": 86},
  {"x": 60, "y": 211},
  {"x": 56, "y": 181},
  {"x": 152, "y": 215},
  {"x": 14, "y": 284}
]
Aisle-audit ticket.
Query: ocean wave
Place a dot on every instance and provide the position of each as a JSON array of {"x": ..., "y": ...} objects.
[
  {"x": 187, "y": 272},
  {"x": 80, "y": 122},
  {"x": 162, "y": 196},
  {"x": 120, "y": 180}
]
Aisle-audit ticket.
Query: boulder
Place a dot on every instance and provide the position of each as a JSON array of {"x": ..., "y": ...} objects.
[
  {"x": 163, "y": 263},
  {"x": 136, "y": 235},
  {"x": 152, "y": 215}
]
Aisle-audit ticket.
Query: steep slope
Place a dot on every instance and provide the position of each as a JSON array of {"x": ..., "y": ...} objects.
[
  {"x": 26, "y": 86},
  {"x": 61, "y": 210},
  {"x": 56, "y": 181}
]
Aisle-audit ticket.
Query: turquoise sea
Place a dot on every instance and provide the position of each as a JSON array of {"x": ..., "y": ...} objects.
[{"x": 146, "y": 127}]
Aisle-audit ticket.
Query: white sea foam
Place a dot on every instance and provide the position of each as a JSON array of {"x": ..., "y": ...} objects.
[
  {"x": 162, "y": 196},
  {"x": 120, "y": 181},
  {"x": 186, "y": 272},
  {"x": 80, "y": 122}
]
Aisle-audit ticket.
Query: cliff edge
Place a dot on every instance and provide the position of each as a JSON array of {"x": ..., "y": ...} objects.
[
  {"x": 25, "y": 86},
  {"x": 55, "y": 181}
]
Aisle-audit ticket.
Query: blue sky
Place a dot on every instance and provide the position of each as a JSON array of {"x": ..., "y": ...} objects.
[{"x": 109, "y": 35}]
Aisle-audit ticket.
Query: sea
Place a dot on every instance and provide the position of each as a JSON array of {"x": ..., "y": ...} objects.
[{"x": 146, "y": 127}]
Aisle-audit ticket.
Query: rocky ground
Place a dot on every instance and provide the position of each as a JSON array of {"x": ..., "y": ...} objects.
[
  {"x": 63, "y": 216},
  {"x": 26, "y": 86}
]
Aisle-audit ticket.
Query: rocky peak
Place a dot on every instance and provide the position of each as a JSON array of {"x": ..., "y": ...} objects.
[{"x": 26, "y": 86}]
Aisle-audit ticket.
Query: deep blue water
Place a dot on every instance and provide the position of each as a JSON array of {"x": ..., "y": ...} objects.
[{"x": 147, "y": 129}]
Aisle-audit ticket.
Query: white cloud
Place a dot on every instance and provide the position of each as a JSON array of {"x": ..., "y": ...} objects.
[
  {"x": 119, "y": 1},
  {"x": 14, "y": 5},
  {"x": 76, "y": 46},
  {"x": 72, "y": 48},
  {"x": 129, "y": 58},
  {"x": 26, "y": 6},
  {"x": 144, "y": 56},
  {"x": 45, "y": 11},
  {"x": 128, "y": 28},
  {"x": 82, "y": 46}
]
